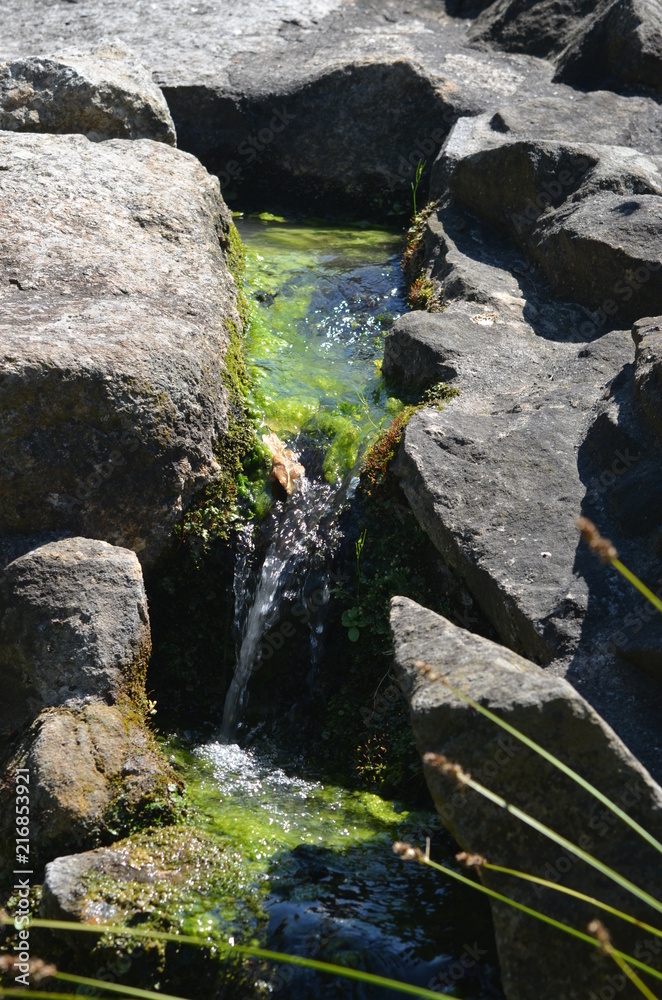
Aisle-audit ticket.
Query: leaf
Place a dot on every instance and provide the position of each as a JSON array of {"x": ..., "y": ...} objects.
[{"x": 353, "y": 634}]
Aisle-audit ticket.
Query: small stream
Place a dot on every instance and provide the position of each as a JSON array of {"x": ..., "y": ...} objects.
[{"x": 317, "y": 856}]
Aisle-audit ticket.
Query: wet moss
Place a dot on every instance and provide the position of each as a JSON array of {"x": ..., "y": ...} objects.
[{"x": 179, "y": 880}]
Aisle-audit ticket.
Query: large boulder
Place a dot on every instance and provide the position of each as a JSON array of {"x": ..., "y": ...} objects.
[
  {"x": 104, "y": 93},
  {"x": 619, "y": 46},
  {"x": 329, "y": 104},
  {"x": 74, "y": 646},
  {"x": 73, "y": 625},
  {"x": 116, "y": 310},
  {"x": 537, "y": 27},
  {"x": 589, "y": 215},
  {"x": 548, "y": 425},
  {"x": 551, "y": 712},
  {"x": 612, "y": 43}
]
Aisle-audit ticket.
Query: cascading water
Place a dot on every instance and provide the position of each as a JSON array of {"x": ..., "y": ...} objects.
[
  {"x": 326, "y": 408},
  {"x": 302, "y": 538},
  {"x": 316, "y": 857}
]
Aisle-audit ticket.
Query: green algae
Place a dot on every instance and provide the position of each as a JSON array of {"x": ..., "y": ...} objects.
[{"x": 316, "y": 333}]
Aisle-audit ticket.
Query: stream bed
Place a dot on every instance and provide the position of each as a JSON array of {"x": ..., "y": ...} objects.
[{"x": 316, "y": 854}]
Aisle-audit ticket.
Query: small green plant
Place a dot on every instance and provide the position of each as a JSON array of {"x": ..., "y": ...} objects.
[{"x": 420, "y": 167}]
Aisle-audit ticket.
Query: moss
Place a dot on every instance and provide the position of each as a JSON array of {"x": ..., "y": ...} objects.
[{"x": 179, "y": 880}]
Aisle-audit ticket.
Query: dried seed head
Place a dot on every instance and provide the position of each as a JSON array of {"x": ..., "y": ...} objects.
[
  {"x": 426, "y": 670},
  {"x": 471, "y": 860},
  {"x": 599, "y": 931},
  {"x": 39, "y": 970},
  {"x": 406, "y": 851},
  {"x": 441, "y": 763},
  {"x": 602, "y": 547}
]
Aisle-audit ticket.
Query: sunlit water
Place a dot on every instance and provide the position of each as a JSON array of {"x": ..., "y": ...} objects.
[{"x": 317, "y": 856}]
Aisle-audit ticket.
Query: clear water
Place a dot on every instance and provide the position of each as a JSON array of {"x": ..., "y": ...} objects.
[
  {"x": 319, "y": 856},
  {"x": 319, "y": 859}
]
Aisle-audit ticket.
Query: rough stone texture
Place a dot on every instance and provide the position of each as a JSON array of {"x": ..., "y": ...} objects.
[
  {"x": 74, "y": 645},
  {"x": 94, "y": 771},
  {"x": 115, "y": 309},
  {"x": 104, "y": 93},
  {"x": 547, "y": 426},
  {"x": 647, "y": 335},
  {"x": 611, "y": 43},
  {"x": 73, "y": 625},
  {"x": 619, "y": 46},
  {"x": 329, "y": 104},
  {"x": 551, "y": 712},
  {"x": 588, "y": 214},
  {"x": 537, "y": 27}
]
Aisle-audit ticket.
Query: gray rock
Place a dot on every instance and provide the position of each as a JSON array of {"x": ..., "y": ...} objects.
[
  {"x": 95, "y": 772},
  {"x": 547, "y": 426},
  {"x": 73, "y": 625},
  {"x": 104, "y": 93},
  {"x": 330, "y": 104},
  {"x": 537, "y": 27},
  {"x": 647, "y": 334},
  {"x": 551, "y": 712},
  {"x": 74, "y": 646},
  {"x": 618, "y": 46},
  {"x": 588, "y": 215},
  {"x": 114, "y": 321}
]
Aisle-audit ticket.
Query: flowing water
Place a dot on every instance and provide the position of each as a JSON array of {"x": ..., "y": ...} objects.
[
  {"x": 320, "y": 307},
  {"x": 317, "y": 856}
]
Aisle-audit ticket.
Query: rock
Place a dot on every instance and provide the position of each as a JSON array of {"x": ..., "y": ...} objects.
[
  {"x": 537, "y": 27},
  {"x": 105, "y": 93},
  {"x": 618, "y": 46},
  {"x": 587, "y": 214},
  {"x": 74, "y": 646},
  {"x": 73, "y": 625},
  {"x": 329, "y": 104},
  {"x": 548, "y": 710},
  {"x": 605, "y": 252},
  {"x": 116, "y": 309},
  {"x": 94, "y": 771},
  {"x": 546, "y": 426},
  {"x": 158, "y": 879},
  {"x": 647, "y": 334}
]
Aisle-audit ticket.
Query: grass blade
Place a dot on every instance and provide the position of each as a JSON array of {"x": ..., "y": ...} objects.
[
  {"x": 465, "y": 780},
  {"x": 546, "y": 755}
]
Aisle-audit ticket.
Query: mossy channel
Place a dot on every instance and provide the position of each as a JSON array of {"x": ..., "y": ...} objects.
[{"x": 325, "y": 775}]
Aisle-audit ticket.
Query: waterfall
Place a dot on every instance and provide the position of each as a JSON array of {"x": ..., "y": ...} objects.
[{"x": 303, "y": 540}]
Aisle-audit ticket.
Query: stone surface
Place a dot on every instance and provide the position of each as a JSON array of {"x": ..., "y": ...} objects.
[
  {"x": 548, "y": 710},
  {"x": 73, "y": 625},
  {"x": 74, "y": 646},
  {"x": 116, "y": 307},
  {"x": 647, "y": 335},
  {"x": 537, "y": 27},
  {"x": 547, "y": 426},
  {"x": 619, "y": 46},
  {"x": 330, "y": 104},
  {"x": 94, "y": 771},
  {"x": 103, "y": 93}
]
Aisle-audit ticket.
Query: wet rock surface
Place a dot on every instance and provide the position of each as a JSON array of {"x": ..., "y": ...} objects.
[
  {"x": 104, "y": 93},
  {"x": 549, "y": 711}
]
